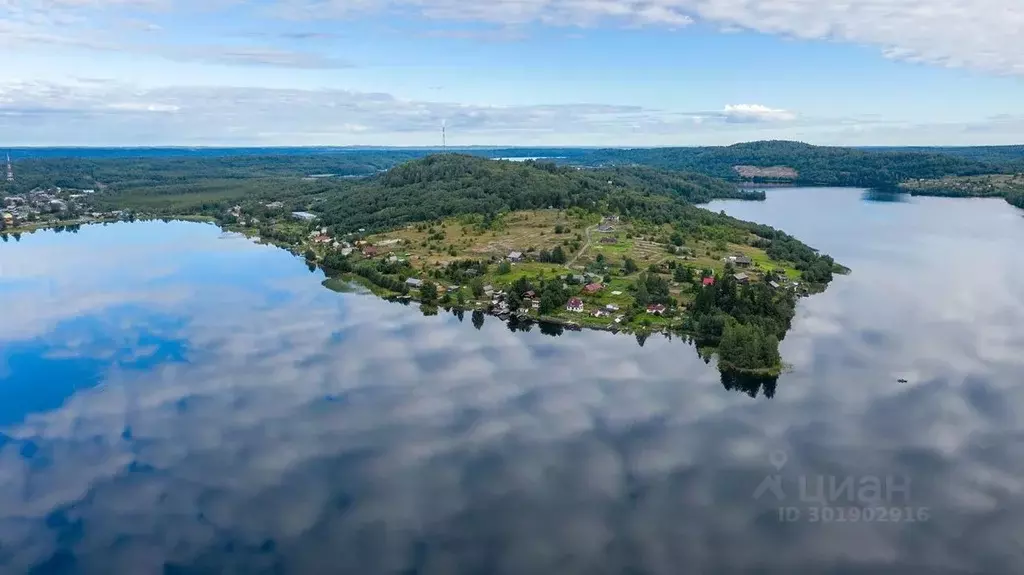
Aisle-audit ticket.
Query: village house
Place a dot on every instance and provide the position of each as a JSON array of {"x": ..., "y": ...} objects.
[
  {"x": 575, "y": 304},
  {"x": 611, "y": 307},
  {"x": 515, "y": 256},
  {"x": 742, "y": 278},
  {"x": 598, "y": 313},
  {"x": 708, "y": 281},
  {"x": 743, "y": 261},
  {"x": 346, "y": 251},
  {"x": 774, "y": 284},
  {"x": 605, "y": 228},
  {"x": 369, "y": 251},
  {"x": 592, "y": 288},
  {"x": 414, "y": 282},
  {"x": 656, "y": 309},
  {"x": 530, "y": 294}
]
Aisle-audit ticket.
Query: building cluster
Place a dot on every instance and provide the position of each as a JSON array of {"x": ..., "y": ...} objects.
[{"x": 44, "y": 205}]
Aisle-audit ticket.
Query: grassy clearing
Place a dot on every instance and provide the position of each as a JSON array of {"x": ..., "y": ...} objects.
[{"x": 468, "y": 237}]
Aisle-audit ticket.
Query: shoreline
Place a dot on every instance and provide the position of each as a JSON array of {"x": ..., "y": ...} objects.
[{"x": 666, "y": 329}]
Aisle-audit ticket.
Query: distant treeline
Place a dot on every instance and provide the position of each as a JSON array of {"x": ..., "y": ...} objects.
[
  {"x": 816, "y": 165},
  {"x": 1016, "y": 198},
  {"x": 123, "y": 174}
]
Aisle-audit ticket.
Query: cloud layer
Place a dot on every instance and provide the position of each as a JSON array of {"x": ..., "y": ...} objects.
[
  {"x": 981, "y": 34},
  {"x": 41, "y": 112}
]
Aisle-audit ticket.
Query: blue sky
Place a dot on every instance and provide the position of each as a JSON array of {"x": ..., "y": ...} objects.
[{"x": 511, "y": 72}]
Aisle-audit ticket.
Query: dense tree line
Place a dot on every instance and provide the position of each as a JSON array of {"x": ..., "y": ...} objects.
[
  {"x": 1016, "y": 198},
  {"x": 446, "y": 185},
  {"x": 379, "y": 273},
  {"x": 744, "y": 321},
  {"x": 816, "y": 165},
  {"x": 126, "y": 168}
]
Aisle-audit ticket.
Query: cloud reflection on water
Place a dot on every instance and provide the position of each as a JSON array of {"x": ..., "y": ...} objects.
[{"x": 337, "y": 432}]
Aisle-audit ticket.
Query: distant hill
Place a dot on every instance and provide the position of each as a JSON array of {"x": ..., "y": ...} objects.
[
  {"x": 439, "y": 186},
  {"x": 762, "y": 162},
  {"x": 814, "y": 165}
]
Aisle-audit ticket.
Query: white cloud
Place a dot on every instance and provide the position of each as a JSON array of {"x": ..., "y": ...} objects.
[
  {"x": 143, "y": 107},
  {"x": 41, "y": 113},
  {"x": 981, "y": 34},
  {"x": 756, "y": 113},
  {"x": 96, "y": 112}
]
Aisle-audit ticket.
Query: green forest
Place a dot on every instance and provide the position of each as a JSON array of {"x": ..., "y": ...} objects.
[
  {"x": 816, "y": 165},
  {"x": 125, "y": 170},
  {"x": 451, "y": 184},
  {"x": 1016, "y": 198}
]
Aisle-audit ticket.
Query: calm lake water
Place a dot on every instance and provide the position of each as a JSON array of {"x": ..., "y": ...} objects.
[{"x": 178, "y": 400}]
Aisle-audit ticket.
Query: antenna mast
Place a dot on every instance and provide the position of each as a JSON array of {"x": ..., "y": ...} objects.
[{"x": 444, "y": 137}]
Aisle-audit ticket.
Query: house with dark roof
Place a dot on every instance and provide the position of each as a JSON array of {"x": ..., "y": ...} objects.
[
  {"x": 413, "y": 282},
  {"x": 743, "y": 261},
  {"x": 742, "y": 278},
  {"x": 656, "y": 309}
]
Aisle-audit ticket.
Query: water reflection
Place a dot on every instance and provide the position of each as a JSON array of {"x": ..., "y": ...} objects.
[
  {"x": 885, "y": 196},
  {"x": 283, "y": 427}
]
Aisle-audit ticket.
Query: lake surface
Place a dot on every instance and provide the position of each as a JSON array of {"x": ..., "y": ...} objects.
[{"x": 178, "y": 400}]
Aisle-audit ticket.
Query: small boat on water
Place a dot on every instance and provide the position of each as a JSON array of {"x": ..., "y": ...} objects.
[{"x": 901, "y": 380}]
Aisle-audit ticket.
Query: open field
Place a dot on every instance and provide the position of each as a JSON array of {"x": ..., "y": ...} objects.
[{"x": 469, "y": 238}]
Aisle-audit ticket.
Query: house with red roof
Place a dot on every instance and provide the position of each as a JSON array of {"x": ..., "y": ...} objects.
[
  {"x": 575, "y": 304},
  {"x": 656, "y": 309},
  {"x": 709, "y": 281},
  {"x": 592, "y": 288}
]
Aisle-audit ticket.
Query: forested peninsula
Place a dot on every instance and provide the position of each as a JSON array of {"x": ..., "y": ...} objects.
[
  {"x": 622, "y": 248},
  {"x": 610, "y": 239}
]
